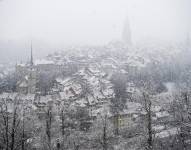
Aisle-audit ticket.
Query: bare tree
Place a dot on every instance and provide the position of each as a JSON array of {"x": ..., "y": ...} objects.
[
  {"x": 49, "y": 118},
  {"x": 4, "y": 124},
  {"x": 63, "y": 126},
  {"x": 12, "y": 124},
  {"x": 102, "y": 132},
  {"x": 63, "y": 118},
  {"x": 147, "y": 107},
  {"x": 182, "y": 117},
  {"x": 104, "y": 140}
]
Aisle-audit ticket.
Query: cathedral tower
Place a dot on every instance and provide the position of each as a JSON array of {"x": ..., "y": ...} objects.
[{"x": 126, "y": 33}]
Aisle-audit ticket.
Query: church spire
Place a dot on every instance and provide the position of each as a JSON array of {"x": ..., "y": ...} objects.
[
  {"x": 126, "y": 34},
  {"x": 31, "y": 61}
]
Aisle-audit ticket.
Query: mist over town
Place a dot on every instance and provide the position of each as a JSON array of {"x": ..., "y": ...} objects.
[{"x": 95, "y": 75}]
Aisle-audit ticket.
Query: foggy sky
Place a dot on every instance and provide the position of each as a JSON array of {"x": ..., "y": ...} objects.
[{"x": 53, "y": 24}]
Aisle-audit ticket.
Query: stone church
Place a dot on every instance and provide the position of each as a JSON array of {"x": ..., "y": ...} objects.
[{"x": 27, "y": 75}]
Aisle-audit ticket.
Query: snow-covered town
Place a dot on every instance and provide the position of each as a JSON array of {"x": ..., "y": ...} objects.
[
  {"x": 77, "y": 93},
  {"x": 73, "y": 78}
]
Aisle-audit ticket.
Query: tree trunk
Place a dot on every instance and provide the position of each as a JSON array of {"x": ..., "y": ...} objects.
[
  {"x": 150, "y": 140},
  {"x": 7, "y": 130},
  {"x": 104, "y": 139},
  {"x": 48, "y": 127},
  {"x": 105, "y": 133},
  {"x": 13, "y": 129},
  {"x": 63, "y": 123}
]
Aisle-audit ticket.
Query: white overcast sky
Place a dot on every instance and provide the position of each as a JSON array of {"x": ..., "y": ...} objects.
[{"x": 68, "y": 22}]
